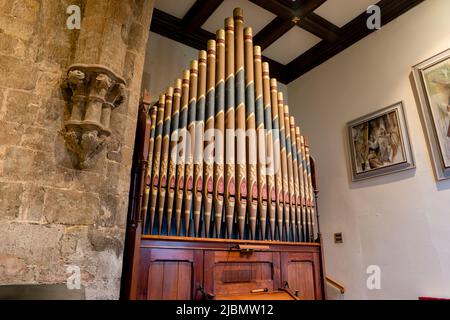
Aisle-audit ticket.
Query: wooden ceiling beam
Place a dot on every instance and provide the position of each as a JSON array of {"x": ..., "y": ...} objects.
[
  {"x": 335, "y": 39},
  {"x": 171, "y": 27},
  {"x": 319, "y": 27},
  {"x": 280, "y": 9},
  {"x": 276, "y": 7},
  {"x": 306, "y": 7},
  {"x": 300, "y": 14},
  {"x": 272, "y": 32},
  {"x": 199, "y": 13},
  {"x": 351, "y": 33}
]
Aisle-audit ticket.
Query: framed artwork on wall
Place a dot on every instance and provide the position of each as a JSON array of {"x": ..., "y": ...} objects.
[
  {"x": 379, "y": 143},
  {"x": 432, "y": 78}
]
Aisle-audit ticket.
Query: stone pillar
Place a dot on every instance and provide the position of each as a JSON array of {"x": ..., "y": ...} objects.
[
  {"x": 52, "y": 214},
  {"x": 105, "y": 32},
  {"x": 95, "y": 81}
]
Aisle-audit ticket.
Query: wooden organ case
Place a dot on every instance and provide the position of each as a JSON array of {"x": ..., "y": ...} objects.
[{"x": 214, "y": 213}]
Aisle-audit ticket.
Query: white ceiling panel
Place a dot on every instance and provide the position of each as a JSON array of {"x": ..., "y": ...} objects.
[
  {"x": 291, "y": 45},
  {"x": 254, "y": 16},
  {"x": 177, "y": 8},
  {"x": 340, "y": 12}
]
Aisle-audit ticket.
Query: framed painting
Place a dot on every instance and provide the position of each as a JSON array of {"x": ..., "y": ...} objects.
[
  {"x": 432, "y": 78},
  {"x": 379, "y": 143}
]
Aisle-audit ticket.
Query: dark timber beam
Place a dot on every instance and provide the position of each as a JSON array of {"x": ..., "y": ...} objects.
[
  {"x": 276, "y": 7},
  {"x": 313, "y": 23},
  {"x": 302, "y": 9},
  {"x": 301, "y": 14},
  {"x": 319, "y": 27},
  {"x": 199, "y": 13},
  {"x": 305, "y": 7},
  {"x": 351, "y": 33},
  {"x": 290, "y": 3},
  {"x": 171, "y": 27},
  {"x": 272, "y": 32}
]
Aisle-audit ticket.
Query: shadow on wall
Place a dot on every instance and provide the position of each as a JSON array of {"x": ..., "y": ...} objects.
[{"x": 440, "y": 185}]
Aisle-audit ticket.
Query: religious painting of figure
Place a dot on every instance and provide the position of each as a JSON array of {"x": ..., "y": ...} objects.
[
  {"x": 433, "y": 85},
  {"x": 379, "y": 143}
]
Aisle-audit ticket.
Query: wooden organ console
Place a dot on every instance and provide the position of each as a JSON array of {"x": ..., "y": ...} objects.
[{"x": 223, "y": 199}]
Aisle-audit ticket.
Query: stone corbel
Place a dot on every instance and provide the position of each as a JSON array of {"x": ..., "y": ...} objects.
[{"x": 93, "y": 91}]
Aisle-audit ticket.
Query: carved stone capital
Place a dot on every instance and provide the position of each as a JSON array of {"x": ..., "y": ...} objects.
[{"x": 92, "y": 92}]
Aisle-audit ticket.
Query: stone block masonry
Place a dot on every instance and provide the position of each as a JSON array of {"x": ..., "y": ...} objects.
[{"x": 51, "y": 214}]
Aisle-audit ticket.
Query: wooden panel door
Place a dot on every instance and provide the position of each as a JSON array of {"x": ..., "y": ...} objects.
[
  {"x": 231, "y": 273},
  {"x": 301, "y": 272},
  {"x": 170, "y": 274}
]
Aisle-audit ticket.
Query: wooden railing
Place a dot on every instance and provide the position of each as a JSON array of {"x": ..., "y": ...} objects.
[{"x": 336, "y": 284}]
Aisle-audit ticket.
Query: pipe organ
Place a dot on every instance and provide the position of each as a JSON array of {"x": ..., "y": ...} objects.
[{"x": 221, "y": 163}]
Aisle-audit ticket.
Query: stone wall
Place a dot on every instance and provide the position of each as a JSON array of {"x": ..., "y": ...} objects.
[{"x": 51, "y": 214}]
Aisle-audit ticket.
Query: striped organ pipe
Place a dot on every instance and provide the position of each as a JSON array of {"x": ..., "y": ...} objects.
[
  {"x": 181, "y": 152},
  {"x": 307, "y": 222},
  {"x": 151, "y": 144},
  {"x": 156, "y": 159},
  {"x": 278, "y": 164},
  {"x": 208, "y": 161},
  {"x": 297, "y": 200},
  {"x": 260, "y": 142},
  {"x": 241, "y": 161},
  {"x": 301, "y": 180},
  {"x": 164, "y": 157},
  {"x": 190, "y": 146},
  {"x": 219, "y": 125},
  {"x": 230, "y": 184},
  {"x": 292, "y": 199},
  {"x": 310, "y": 193},
  {"x": 173, "y": 156},
  {"x": 307, "y": 200},
  {"x": 251, "y": 143},
  {"x": 284, "y": 166},
  {"x": 199, "y": 138},
  {"x": 139, "y": 176},
  {"x": 271, "y": 170}
]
